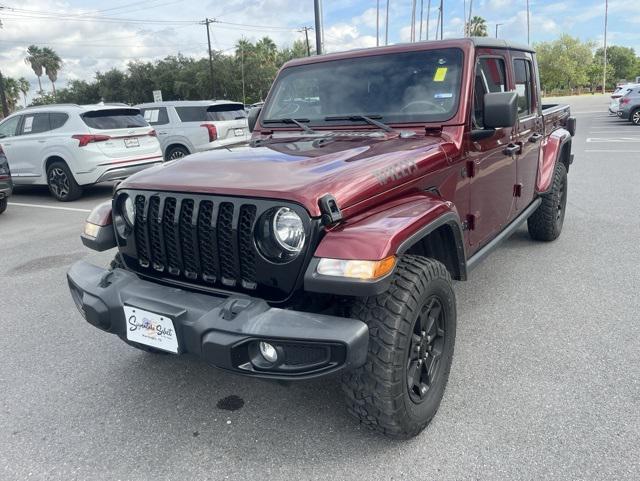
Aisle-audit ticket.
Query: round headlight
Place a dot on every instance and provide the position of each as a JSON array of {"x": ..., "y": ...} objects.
[
  {"x": 288, "y": 230},
  {"x": 129, "y": 210}
]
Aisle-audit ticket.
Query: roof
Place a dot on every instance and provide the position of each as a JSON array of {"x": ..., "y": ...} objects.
[
  {"x": 76, "y": 107},
  {"x": 466, "y": 42},
  {"x": 187, "y": 103}
]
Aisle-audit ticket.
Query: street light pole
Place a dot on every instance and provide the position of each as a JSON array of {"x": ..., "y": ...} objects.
[
  {"x": 207, "y": 21},
  {"x": 428, "y": 15},
  {"x": 317, "y": 10},
  {"x": 604, "y": 70},
  {"x": 528, "y": 26},
  {"x": 413, "y": 21},
  {"x": 377, "y": 23},
  {"x": 421, "y": 11},
  {"x": 441, "y": 19},
  {"x": 386, "y": 28},
  {"x": 497, "y": 25}
]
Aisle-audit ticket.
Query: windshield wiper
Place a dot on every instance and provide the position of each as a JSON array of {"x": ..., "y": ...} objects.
[
  {"x": 298, "y": 122},
  {"x": 369, "y": 120}
]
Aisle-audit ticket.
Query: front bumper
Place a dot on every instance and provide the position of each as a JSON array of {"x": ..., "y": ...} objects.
[{"x": 224, "y": 331}]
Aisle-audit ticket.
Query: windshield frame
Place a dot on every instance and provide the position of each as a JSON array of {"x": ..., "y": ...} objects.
[{"x": 454, "y": 114}]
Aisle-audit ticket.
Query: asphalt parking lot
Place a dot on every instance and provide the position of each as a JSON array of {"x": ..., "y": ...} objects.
[{"x": 545, "y": 382}]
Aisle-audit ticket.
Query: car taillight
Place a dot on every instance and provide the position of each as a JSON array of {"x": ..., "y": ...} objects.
[
  {"x": 85, "y": 139},
  {"x": 213, "y": 132},
  {"x": 153, "y": 133}
]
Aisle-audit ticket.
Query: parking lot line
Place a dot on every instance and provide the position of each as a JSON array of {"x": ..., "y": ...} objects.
[
  {"x": 614, "y": 151},
  {"x": 42, "y": 206}
]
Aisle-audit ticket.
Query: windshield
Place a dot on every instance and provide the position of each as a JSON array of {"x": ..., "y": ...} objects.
[
  {"x": 108, "y": 119},
  {"x": 421, "y": 86}
]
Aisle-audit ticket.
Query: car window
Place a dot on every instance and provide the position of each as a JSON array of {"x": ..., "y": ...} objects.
[
  {"x": 9, "y": 126},
  {"x": 156, "y": 116},
  {"x": 192, "y": 114},
  {"x": 114, "y": 119},
  {"x": 35, "y": 124},
  {"x": 226, "y": 112},
  {"x": 524, "y": 86},
  {"x": 490, "y": 78},
  {"x": 57, "y": 119}
]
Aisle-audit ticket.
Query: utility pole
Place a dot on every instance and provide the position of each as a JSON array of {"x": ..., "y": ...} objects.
[
  {"x": 497, "y": 25},
  {"x": 470, "y": 14},
  {"x": 438, "y": 21},
  {"x": 604, "y": 70},
  {"x": 317, "y": 10},
  {"x": 528, "y": 26},
  {"x": 386, "y": 27},
  {"x": 377, "y": 23},
  {"x": 413, "y": 21},
  {"x": 3, "y": 98},
  {"x": 244, "y": 100},
  {"x": 441, "y": 19},
  {"x": 421, "y": 12},
  {"x": 206, "y": 22},
  {"x": 306, "y": 36},
  {"x": 428, "y": 15}
]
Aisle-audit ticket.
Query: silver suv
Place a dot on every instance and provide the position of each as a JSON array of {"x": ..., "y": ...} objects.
[{"x": 188, "y": 126}]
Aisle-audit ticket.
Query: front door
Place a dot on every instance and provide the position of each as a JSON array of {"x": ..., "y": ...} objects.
[
  {"x": 492, "y": 171},
  {"x": 530, "y": 127}
]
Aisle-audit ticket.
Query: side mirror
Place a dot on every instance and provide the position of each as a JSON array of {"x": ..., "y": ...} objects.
[
  {"x": 252, "y": 118},
  {"x": 500, "y": 110}
]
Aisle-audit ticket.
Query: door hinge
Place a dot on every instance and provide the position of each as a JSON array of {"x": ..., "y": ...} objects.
[
  {"x": 469, "y": 223},
  {"x": 517, "y": 190},
  {"x": 469, "y": 169}
]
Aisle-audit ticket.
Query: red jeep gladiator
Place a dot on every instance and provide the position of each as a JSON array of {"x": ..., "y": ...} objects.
[{"x": 329, "y": 243}]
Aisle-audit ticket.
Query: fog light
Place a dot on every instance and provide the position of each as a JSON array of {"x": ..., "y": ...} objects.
[{"x": 268, "y": 352}]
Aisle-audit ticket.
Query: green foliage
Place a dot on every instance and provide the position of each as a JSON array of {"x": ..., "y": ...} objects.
[
  {"x": 477, "y": 27},
  {"x": 187, "y": 78},
  {"x": 564, "y": 63},
  {"x": 12, "y": 93},
  {"x": 44, "y": 99},
  {"x": 624, "y": 63}
]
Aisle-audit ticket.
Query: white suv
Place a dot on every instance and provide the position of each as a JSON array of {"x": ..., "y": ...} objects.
[
  {"x": 70, "y": 146},
  {"x": 188, "y": 126}
]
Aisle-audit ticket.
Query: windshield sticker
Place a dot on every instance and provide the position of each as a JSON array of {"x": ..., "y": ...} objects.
[
  {"x": 443, "y": 95},
  {"x": 440, "y": 74},
  {"x": 402, "y": 169}
]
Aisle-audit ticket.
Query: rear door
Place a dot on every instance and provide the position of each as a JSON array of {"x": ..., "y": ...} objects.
[
  {"x": 530, "y": 127},
  {"x": 120, "y": 133},
  {"x": 493, "y": 173},
  {"x": 230, "y": 120}
]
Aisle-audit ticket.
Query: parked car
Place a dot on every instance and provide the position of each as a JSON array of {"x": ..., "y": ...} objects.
[
  {"x": 6, "y": 185},
  {"x": 630, "y": 106},
  {"x": 617, "y": 94},
  {"x": 185, "y": 127},
  {"x": 68, "y": 147},
  {"x": 329, "y": 243}
]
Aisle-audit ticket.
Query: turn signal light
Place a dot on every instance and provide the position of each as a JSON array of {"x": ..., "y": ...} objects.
[{"x": 355, "y": 269}]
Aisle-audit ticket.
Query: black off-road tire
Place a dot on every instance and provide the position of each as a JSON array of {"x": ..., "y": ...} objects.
[
  {"x": 3, "y": 204},
  {"x": 176, "y": 152},
  {"x": 62, "y": 184},
  {"x": 545, "y": 224},
  {"x": 380, "y": 394},
  {"x": 634, "y": 117}
]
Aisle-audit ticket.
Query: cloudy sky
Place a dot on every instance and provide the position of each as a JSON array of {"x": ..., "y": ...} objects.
[{"x": 93, "y": 35}]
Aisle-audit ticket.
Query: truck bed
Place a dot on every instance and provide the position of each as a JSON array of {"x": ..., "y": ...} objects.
[{"x": 554, "y": 116}]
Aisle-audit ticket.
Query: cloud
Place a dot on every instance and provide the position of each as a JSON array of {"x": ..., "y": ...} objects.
[{"x": 343, "y": 36}]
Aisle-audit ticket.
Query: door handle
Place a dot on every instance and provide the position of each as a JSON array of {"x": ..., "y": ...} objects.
[
  {"x": 512, "y": 149},
  {"x": 42, "y": 141},
  {"x": 534, "y": 138},
  {"x": 6, "y": 143},
  {"x": 162, "y": 133}
]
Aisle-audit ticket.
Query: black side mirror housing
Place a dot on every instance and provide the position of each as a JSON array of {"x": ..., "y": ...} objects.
[
  {"x": 252, "y": 118},
  {"x": 500, "y": 110}
]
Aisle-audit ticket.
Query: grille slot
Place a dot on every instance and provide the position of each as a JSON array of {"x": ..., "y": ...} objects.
[{"x": 197, "y": 240}]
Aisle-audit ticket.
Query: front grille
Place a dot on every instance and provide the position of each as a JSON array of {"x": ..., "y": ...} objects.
[{"x": 207, "y": 241}]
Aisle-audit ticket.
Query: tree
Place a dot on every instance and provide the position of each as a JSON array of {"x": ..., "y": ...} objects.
[
  {"x": 35, "y": 60},
  {"x": 564, "y": 63},
  {"x": 11, "y": 92},
  {"x": 52, "y": 64},
  {"x": 24, "y": 86},
  {"x": 623, "y": 62},
  {"x": 477, "y": 27}
]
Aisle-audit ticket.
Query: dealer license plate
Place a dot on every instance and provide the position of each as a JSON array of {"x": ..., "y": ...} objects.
[
  {"x": 132, "y": 142},
  {"x": 239, "y": 132},
  {"x": 151, "y": 329}
]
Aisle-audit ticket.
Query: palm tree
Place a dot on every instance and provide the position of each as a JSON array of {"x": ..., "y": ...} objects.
[
  {"x": 52, "y": 63},
  {"x": 24, "y": 86},
  {"x": 34, "y": 58},
  {"x": 12, "y": 92},
  {"x": 477, "y": 27}
]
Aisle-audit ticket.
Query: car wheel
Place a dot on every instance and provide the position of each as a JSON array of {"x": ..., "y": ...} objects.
[
  {"x": 546, "y": 222},
  {"x": 176, "y": 152},
  {"x": 61, "y": 182},
  {"x": 412, "y": 329},
  {"x": 3, "y": 204},
  {"x": 635, "y": 117}
]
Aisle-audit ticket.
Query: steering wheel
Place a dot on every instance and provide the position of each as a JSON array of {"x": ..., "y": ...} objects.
[
  {"x": 288, "y": 109},
  {"x": 434, "y": 106}
]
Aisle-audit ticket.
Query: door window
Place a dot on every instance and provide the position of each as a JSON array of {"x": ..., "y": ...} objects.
[
  {"x": 9, "y": 126},
  {"x": 57, "y": 119},
  {"x": 524, "y": 86},
  {"x": 156, "y": 116},
  {"x": 490, "y": 78},
  {"x": 35, "y": 124}
]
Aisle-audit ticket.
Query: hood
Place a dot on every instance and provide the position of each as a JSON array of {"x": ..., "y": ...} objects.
[{"x": 302, "y": 169}]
